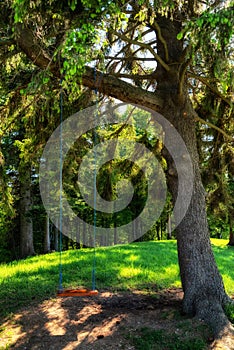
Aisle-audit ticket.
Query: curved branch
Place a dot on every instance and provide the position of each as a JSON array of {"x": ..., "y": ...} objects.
[
  {"x": 183, "y": 70},
  {"x": 145, "y": 46},
  {"x": 163, "y": 41},
  {"x": 211, "y": 125},
  {"x": 91, "y": 78},
  {"x": 30, "y": 45},
  {"x": 215, "y": 91},
  {"x": 117, "y": 54}
]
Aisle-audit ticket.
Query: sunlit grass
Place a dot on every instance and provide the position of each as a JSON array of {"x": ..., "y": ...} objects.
[
  {"x": 222, "y": 243},
  {"x": 224, "y": 256},
  {"x": 146, "y": 265}
]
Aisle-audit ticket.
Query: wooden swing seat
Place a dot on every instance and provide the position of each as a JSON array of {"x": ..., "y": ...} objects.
[{"x": 80, "y": 292}]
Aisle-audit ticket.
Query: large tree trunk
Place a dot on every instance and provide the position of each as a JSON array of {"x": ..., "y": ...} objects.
[
  {"x": 202, "y": 284},
  {"x": 204, "y": 293},
  {"x": 26, "y": 225}
]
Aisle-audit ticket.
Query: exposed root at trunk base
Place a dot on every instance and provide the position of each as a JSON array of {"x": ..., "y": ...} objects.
[
  {"x": 211, "y": 311},
  {"x": 225, "y": 341},
  {"x": 223, "y": 344}
]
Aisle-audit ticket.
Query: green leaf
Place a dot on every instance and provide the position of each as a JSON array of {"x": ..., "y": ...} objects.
[
  {"x": 73, "y": 70},
  {"x": 180, "y": 35},
  {"x": 72, "y": 4},
  {"x": 200, "y": 22},
  {"x": 45, "y": 80},
  {"x": 224, "y": 20}
]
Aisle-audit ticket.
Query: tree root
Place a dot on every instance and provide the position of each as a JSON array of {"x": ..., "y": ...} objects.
[
  {"x": 211, "y": 311},
  {"x": 225, "y": 341}
]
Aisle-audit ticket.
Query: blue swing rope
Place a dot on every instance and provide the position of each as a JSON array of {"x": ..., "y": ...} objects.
[
  {"x": 94, "y": 221},
  {"x": 95, "y": 192},
  {"x": 61, "y": 188},
  {"x": 61, "y": 192}
]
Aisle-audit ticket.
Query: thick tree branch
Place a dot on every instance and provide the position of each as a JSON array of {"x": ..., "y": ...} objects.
[
  {"x": 93, "y": 79},
  {"x": 133, "y": 76},
  {"x": 117, "y": 88},
  {"x": 134, "y": 58},
  {"x": 30, "y": 45},
  {"x": 163, "y": 41}
]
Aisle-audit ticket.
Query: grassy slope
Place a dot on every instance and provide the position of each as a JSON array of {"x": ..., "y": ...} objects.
[{"x": 138, "y": 265}]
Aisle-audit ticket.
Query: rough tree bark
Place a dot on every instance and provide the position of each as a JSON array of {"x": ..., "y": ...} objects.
[
  {"x": 231, "y": 235},
  {"x": 26, "y": 225},
  {"x": 47, "y": 235},
  {"x": 204, "y": 293}
]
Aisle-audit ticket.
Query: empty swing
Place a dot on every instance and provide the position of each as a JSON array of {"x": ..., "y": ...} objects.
[{"x": 74, "y": 292}]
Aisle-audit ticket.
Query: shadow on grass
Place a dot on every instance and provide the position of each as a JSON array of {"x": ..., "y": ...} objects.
[
  {"x": 146, "y": 265},
  {"x": 124, "y": 267},
  {"x": 69, "y": 323}
]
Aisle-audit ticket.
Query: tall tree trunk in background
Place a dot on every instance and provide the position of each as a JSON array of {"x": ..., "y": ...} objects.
[
  {"x": 47, "y": 235},
  {"x": 169, "y": 227},
  {"x": 204, "y": 293},
  {"x": 158, "y": 231},
  {"x": 231, "y": 235},
  {"x": 78, "y": 236},
  {"x": 26, "y": 225},
  {"x": 115, "y": 233},
  {"x": 56, "y": 237}
]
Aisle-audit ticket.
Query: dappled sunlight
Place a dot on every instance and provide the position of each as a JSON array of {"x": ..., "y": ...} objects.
[
  {"x": 224, "y": 255},
  {"x": 133, "y": 258},
  {"x": 107, "y": 327},
  {"x": 170, "y": 272},
  {"x": 163, "y": 276},
  {"x": 57, "y": 319},
  {"x": 11, "y": 332},
  {"x": 228, "y": 283},
  {"x": 103, "y": 322},
  {"x": 83, "y": 315},
  {"x": 71, "y": 346},
  {"x": 219, "y": 242},
  {"x": 42, "y": 263},
  {"x": 129, "y": 272},
  {"x": 132, "y": 266}
]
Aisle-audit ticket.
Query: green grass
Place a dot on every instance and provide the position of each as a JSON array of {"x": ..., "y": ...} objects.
[
  {"x": 149, "y": 339},
  {"x": 146, "y": 265},
  {"x": 229, "y": 310},
  {"x": 224, "y": 256}
]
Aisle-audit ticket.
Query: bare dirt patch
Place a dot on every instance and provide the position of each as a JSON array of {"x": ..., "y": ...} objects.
[{"x": 107, "y": 321}]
